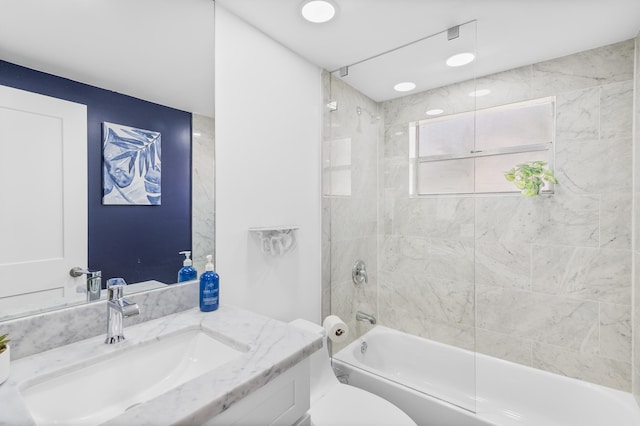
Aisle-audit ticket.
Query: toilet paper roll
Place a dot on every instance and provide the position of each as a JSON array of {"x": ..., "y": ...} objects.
[{"x": 335, "y": 328}]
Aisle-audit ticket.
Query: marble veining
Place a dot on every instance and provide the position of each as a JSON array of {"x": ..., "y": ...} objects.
[
  {"x": 584, "y": 366},
  {"x": 583, "y": 273},
  {"x": 271, "y": 347},
  {"x": 203, "y": 178},
  {"x": 615, "y": 226},
  {"x": 552, "y": 274},
  {"x": 615, "y": 331},
  {"x": 443, "y": 300},
  {"x": 594, "y": 67},
  {"x": 37, "y": 333},
  {"x": 560, "y": 219},
  {"x": 503, "y": 264},
  {"x": 635, "y": 321},
  {"x": 594, "y": 166},
  {"x": 448, "y": 217},
  {"x": 504, "y": 346},
  {"x": 564, "y": 322},
  {"x": 616, "y": 116},
  {"x": 351, "y": 233},
  {"x": 577, "y": 115}
]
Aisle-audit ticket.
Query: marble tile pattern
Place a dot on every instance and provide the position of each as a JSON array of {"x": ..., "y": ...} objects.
[
  {"x": 38, "y": 333},
  {"x": 552, "y": 274},
  {"x": 271, "y": 348},
  {"x": 203, "y": 190},
  {"x": 351, "y": 233},
  {"x": 326, "y": 202},
  {"x": 545, "y": 282},
  {"x": 636, "y": 230}
]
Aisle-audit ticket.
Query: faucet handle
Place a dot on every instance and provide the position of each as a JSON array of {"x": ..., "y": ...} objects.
[
  {"x": 115, "y": 288},
  {"x": 359, "y": 273},
  {"x": 116, "y": 282},
  {"x": 78, "y": 272},
  {"x": 129, "y": 309}
]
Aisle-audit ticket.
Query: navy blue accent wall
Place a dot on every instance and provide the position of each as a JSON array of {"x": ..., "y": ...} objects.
[{"x": 137, "y": 243}]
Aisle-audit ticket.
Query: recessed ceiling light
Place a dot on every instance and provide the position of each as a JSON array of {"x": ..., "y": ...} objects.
[
  {"x": 318, "y": 11},
  {"x": 460, "y": 59},
  {"x": 435, "y": 111},
  {"x": 405, "y": 86},
  {"x": 479, "y": 92},
  {"x": 197, "y": 134}
]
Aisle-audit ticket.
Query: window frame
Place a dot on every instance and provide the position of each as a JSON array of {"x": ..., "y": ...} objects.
[{"x": 415, "y": 161}]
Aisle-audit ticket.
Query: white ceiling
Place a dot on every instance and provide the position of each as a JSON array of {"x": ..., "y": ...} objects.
[
  {"x": 157, "y": 50},
  {"x": 510, "y": 33},
  {"x": 162, "y": 50}
]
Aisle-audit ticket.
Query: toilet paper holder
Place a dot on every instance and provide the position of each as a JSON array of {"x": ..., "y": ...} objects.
[{"x": 335, "y": 329}]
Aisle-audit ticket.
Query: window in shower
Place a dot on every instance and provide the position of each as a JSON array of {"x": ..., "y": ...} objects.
[
  {"x": 336, "y": 171},
  {"x": 469, "y": 152}
]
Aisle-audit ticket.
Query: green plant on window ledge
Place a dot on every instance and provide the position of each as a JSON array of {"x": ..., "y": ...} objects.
[{"x": 530, "y": 177}]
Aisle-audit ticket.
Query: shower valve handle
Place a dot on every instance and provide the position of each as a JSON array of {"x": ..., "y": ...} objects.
[{"x": 359, "y": 273}]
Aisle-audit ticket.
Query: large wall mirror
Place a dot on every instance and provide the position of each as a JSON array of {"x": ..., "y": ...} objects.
[{"x": 67, "y": 82}]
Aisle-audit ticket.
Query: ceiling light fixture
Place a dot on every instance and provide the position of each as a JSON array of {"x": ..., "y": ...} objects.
[
  {"x": 318, "y": 11},
  {"x": 460, "y": 59},
  {"x": 479, "y": 92},
  {"x": 435, "y": 111},
  {"x": 405, "y": 86}
]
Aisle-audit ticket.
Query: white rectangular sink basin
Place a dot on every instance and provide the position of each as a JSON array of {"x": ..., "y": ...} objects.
[{"x": 98, "y": 391}]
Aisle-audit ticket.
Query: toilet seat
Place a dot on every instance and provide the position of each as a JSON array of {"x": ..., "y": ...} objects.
[{"x": 338, "y": 408}]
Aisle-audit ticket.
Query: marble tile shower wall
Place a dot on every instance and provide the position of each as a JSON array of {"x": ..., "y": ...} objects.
[
  {"x": 426, "y": 247},
  {"x": 354, "y": 219},
  {"x": 636, "y": 230},
  {"x": 552, "y": 274},
  {"x": 326, "y": 203}
]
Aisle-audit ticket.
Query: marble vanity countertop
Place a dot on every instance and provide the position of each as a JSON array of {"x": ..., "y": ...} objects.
[{"x": 272, "y": 347}]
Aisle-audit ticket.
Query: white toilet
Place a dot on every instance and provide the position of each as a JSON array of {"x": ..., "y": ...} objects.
[{"x": 337, "y": 404}]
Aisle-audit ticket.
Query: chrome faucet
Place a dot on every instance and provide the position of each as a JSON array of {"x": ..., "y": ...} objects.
[
  {"x": 361, "y": 316},
  {"x": 93, "y": 284},
  {"x": 118, "y": 308}
]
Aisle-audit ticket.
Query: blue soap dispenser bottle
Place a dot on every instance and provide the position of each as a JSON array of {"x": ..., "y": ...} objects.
[
  {"x": 187, "y": 272},
  {"x": 209, "y": 288}
]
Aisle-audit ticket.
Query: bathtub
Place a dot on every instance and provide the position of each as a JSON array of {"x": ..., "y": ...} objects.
[{"x": 438, "y": 384}]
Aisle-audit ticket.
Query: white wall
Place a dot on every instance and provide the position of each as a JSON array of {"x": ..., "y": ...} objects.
[{"x": 268, "y": 158}]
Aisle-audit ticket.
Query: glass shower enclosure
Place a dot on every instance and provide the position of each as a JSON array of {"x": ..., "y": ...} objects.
[{"x": 401, "y": 168}]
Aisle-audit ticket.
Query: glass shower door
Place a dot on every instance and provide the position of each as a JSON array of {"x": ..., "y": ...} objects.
[{"x": 410, "y": 219}]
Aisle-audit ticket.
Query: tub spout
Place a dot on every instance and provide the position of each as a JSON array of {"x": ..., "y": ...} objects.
[{"x": 361, "y": 316}]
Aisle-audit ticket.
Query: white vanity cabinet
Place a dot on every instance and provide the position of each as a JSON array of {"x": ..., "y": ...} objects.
[{"x": 282, "y": 402}]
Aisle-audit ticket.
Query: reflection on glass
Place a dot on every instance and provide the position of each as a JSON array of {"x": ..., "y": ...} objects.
[
  {"x": 422, "y": 278},
  {"x": 446, "y": 177},
  {"x": 337, "y": 173}
]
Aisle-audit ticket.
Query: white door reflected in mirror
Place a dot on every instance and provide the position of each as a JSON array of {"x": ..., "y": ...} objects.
[{"x": 43, "y": 156}]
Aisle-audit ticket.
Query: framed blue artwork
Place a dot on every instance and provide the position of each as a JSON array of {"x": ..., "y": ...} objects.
[{"x": 131, "y": 165}]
